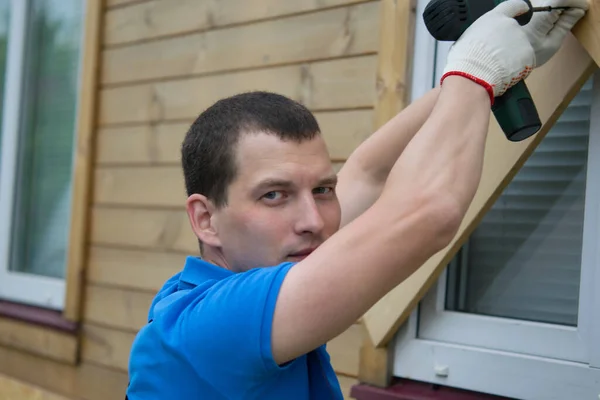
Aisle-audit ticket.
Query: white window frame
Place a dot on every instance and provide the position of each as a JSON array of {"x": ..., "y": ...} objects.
[
  {"x": 502, "y": 356},
  {"x": 15, "y": 286}
]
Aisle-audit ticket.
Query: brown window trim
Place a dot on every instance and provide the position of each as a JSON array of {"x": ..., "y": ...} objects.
[
  {"x": 404, "y": 389},
  {"x": 38, "y": 316}
]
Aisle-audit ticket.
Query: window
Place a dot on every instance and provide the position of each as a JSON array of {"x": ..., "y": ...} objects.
[
  {"x": 40, "y": 49},
  {"x": 515, "y": 313}
]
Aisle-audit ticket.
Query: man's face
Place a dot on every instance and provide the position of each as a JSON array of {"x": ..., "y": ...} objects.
[{"x": 282, "y": 204}]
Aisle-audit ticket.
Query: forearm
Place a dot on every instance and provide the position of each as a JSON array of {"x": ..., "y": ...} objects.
[
  {"x": 445, "y": 158},
  {"x": 377, "y": 154},
  {"x": 420, "y": 208}
]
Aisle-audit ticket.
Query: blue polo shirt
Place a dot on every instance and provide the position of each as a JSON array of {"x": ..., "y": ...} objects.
[{"x": 209, "y": 337}]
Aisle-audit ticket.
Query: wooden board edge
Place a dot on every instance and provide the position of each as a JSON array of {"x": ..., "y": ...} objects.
[
  {"x": 386, "y": 316},
  {"x": 82, "y": 167}
]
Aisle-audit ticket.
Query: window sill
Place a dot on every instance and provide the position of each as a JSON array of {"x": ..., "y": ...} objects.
[
  {"x": 404, "y": 389},
  {"x": 38, "y": 331}
]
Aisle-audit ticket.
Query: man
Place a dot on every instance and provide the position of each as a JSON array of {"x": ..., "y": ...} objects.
[{"x": 292, "y": 254}]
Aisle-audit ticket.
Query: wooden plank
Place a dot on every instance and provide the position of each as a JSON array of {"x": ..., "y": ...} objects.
[
  {"x": 337, "y": 84},
  {"x": 56, "y": 345},
  {"x": 503, "y": 159},
  {"x": 107, "y": 347},
  {"x": 12, "y": 389},
  {"x": 140, "y": 186},
  {"x": 115, "y": 307},
  {"x": 346, "y": 384},
  {"x": 396, "y": 37},
  {"x": 587, "y": 31},
  {"x": 135, "y": 269},
  {"x": 119, "y": 3},
  {"x": 86, "y": 381},
  {"x": 160, "y": 144},
  {"x": 332, "y": 33},
  {"x": 344, "y": 350},
  {"x": 145, "y": 228},
  {"x": 154, "y": 19},
  {"x": 81, "y": 185}
]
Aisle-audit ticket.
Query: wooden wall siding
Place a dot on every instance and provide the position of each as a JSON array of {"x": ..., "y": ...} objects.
[
  {"x": 159, "y": 71},
  {"x": 154, "y": 19},
  {"x": 11, "y": 389},
  {"x": 318, "y": 35}
]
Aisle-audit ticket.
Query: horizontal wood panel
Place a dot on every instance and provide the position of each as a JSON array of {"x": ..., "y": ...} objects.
[
  {"x": 85, "y": 381},
  {"x": 154, "y": 186},
  {"x": 158, "y": 144},
  {"x": 114, "y": 3},
  {"x": 152, "y": 229},
  {"x": 332, "y": 33},
  {"x": 137, "y": 269},
  {"x": 11, "y": 389},
  {"x": 159, "y": 18},
  {"x": 345, "y": 349},
  {"x": 111, "y": 347},
  {"x": 59, "y": 346},
  {"x": 119, "y": 308},
  {"x": 107, "y": 347},
  {"x": 336, "y": 84}
]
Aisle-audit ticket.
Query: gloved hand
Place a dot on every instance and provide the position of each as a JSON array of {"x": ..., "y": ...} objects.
[
  {"x": 494, "y": 51},
  {"x": 547, "y": 30}
]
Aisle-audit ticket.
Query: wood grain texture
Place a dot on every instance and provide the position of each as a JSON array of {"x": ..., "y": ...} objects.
[
  {"x": 133, "y": 269},
  {"x": 344, "y": 350},
  {"x": 118, "y": 308},
  {"x": 107, "y": 347},
  {"x": 86, "y": 381},
  {"x": 337, "y": 84},
  {"x": 12, "y": 389},
  {"x": 160, "y": 144},
  {"x": 154, "y": 19},
  {"x": 39, "y": 340},
  {"x": 119, "y": 3},
  {"x": 327, "y": 34},
  {"x": 503, "y": 159},
  {"x": 82, "y": 163},
  {"x": 140, "y": 186},
  {"x": 156, "y": 229}
]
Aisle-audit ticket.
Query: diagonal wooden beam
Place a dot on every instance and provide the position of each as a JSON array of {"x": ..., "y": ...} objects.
[{"x": 552, "y": 86}]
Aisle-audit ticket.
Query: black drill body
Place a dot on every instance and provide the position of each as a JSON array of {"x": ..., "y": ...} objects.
[{"x": 447, "y": 20}]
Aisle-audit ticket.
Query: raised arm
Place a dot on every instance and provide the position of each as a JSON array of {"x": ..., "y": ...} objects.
[
  {"x": 361, "y": 179},
  {"x": 423, "y": 201}
]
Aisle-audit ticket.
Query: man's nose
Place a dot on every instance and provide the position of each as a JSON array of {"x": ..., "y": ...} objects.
[{"x": 309, "y": 217}]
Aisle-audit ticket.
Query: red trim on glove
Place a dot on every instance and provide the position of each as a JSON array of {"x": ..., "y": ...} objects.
[{"x": 487, "y": 86}]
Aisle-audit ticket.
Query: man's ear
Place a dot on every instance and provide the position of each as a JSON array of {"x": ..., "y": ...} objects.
[{"x": 200, "y": 211}]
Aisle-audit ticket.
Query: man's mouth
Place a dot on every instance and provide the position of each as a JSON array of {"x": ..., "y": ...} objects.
[{"x": 302, "y": 253}]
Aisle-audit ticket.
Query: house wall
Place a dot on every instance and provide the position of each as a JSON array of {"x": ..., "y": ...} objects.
[{"x": 163, "y": 62}]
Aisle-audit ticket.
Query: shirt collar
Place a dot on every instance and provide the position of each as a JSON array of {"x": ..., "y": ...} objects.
[{"x": 197, "y": 271}]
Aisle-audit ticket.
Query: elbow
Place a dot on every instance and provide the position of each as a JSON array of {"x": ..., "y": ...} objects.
[{"x": 444, "y": 216}]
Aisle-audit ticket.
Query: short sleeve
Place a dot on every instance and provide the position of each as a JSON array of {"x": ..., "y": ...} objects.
[{"x": 227, "y": 331}]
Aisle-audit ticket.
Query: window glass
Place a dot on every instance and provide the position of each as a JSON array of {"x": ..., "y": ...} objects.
[
  {"x": 47, "y": 137},
  {"x": 524, "y": 260},
  {"x": 4, "y": 27}
]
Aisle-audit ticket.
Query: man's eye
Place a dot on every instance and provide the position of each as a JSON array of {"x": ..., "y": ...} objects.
[
  {"x": 275, "y": 195},
  {"x": 323, "y": 190}
]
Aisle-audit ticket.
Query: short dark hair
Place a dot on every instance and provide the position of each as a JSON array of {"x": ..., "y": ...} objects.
[{"x": 208, "y": 150}]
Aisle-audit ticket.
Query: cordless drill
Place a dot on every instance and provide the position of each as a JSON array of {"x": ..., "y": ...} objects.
[{"x": 515, "y": 111}]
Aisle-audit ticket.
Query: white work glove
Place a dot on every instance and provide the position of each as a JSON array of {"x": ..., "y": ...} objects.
[
  {"x": 547, "y": 30},
  {"x": 494, "y": 51}
]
